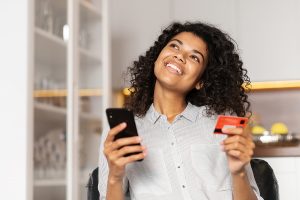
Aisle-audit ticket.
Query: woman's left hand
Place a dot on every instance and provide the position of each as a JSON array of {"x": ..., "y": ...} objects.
[{"x": 239, "y": 148}]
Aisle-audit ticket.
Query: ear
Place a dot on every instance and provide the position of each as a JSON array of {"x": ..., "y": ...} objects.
[{"x": 199, "y": 85}]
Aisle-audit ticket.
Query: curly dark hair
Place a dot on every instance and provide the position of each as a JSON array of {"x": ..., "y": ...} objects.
[{"x": 222, "y": 81}]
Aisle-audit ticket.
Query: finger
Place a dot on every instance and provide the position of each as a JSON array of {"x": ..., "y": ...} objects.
[
  {"x": 235, "y": 146},
  {"x": 239, "y": 155},
  {"x": 252, "y": 145},
  {"x": 130, "y": 149},
  {"x": 247, "y": 131},
  {"x": 114, "y": 131},
  {"x": 233, "y": 139},
  {"x": 123, "y": 161},
  {"x": 114, "y": 156},
  {"x": 234, "y": 153},
  {"x": 133, "y": 158},
  {"x": 232, "y": 131},
  {"x": 119, "y": 143}
]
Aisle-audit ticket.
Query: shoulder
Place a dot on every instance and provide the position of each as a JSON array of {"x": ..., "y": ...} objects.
[{"x": 204, "y": 115}]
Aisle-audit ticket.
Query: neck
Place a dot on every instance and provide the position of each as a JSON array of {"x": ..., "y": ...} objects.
[{"x": 168, "y": 102}]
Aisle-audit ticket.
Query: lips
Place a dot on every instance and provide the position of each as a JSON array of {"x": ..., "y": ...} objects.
[{"x": 174, "y": 68}]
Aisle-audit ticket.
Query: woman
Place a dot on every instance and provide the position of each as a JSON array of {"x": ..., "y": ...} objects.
[{"x": 190, "y": 75}]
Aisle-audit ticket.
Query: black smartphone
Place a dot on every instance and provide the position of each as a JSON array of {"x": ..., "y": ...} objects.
[{"x": 116, "y": 116}]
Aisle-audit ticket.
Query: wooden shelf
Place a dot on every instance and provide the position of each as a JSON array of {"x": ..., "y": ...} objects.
[
  {"x": 56, "y": 182},
  {"x": 275, "y": 85},
  {"x": 60, "y": 113},
  {"x": 50, "y": 49},
  {"x": 59, "y": 182},
  {"x": 277, "y": 151},
  {"x": 88, "y": 58},
  {"x": 89, "y": 12},
  {"x": 63, "y": 93},
  {"x": 49, "y": 182},
  {"x": 262, "y": 86}
]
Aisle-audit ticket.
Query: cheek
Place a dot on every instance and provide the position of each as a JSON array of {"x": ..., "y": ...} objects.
[
  {"x": 197, "y": 69},
  {"x": 156, "y": 68},
  {"x": 197, "y": 72},
  {"x": 158, "y": 63}
]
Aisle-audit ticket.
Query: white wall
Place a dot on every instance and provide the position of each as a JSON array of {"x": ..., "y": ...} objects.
[
  {"x": 135, "y": 26},
  {"x": 267, "y": 32},
  {"x": 219, "y": 13},
  {"x": 288, "y": 176},
  {"x": 13, "y": 99}
]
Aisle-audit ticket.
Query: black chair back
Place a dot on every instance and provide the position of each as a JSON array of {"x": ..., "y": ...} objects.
[
  {"x": 265, "y": 179},
  {"x": 92, "y": 186}
]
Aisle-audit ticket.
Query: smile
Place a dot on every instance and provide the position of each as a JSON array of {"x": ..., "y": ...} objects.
[{"x": 173, "y": 68}]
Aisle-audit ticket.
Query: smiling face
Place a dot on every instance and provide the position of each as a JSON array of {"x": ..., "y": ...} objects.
[{"x": 181, "y": 63}]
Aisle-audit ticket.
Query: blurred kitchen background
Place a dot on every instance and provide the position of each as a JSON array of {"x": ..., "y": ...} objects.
[{"x": 64, "y": 61}]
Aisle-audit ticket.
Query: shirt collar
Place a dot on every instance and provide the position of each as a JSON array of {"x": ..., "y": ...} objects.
[{"x": 190, "y": 113}]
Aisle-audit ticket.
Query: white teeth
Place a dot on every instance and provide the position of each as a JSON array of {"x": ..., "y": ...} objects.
[{"x": 174, "y": 67}]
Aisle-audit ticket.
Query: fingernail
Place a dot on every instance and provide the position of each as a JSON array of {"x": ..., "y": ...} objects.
[
  {"x": 145, "y": 151},
  {"x": 224, "y": 130},
  {"x": 123, "y": 124}
]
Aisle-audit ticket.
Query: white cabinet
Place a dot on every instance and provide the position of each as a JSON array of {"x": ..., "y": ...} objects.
[{"x": 71, "y": 90}]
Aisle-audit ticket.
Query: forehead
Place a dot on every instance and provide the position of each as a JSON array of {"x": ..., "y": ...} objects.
[{"x": 192, "y": 41}]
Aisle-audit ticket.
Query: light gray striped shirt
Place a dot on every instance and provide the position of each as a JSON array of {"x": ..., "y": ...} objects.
[{"x": 184, "y": 160}]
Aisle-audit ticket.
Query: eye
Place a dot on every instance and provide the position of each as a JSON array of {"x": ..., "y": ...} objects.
[
  {"x": 175, "y": 46},
  {"x": 195, "y": 58}
]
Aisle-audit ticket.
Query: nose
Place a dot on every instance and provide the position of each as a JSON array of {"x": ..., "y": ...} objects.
[{"x": 180, "y": 57}]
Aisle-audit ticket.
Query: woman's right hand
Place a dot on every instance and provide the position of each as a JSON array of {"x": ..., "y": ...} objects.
[{"x": 115, "y": 151}]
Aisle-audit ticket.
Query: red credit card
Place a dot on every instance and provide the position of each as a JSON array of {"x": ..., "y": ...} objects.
[{"x": 229, "y": 122}]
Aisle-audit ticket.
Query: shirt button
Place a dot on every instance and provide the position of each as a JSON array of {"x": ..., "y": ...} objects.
[
  {"x": 183, "y": 186},
  {"x": 172, "y": 143},
  {"x": 178, "y": 167}
]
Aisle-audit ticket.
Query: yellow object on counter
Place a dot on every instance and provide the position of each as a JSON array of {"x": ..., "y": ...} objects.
[
  {"x": 279, "y": 128},
  {"x": 256, "y": 130}
]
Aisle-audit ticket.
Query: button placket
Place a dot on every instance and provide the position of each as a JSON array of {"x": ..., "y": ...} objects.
[{"x": 178, "y": 162}]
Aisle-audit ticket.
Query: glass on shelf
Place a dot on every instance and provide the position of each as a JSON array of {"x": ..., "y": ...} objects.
[
  {"x": 85, "y": 104},
  {"x": 44, "y": 15},
  {"x": 58, "y": 26},
  {"x": 84, "y": 38},
  {"x": 50, "y": 154}
]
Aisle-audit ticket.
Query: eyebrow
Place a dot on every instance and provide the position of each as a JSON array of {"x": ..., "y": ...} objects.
[{"x": 194, "y": 50}]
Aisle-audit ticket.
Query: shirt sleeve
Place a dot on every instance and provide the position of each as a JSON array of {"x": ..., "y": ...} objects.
[
  {"x": 103, "y": 169},
  {"x": 253, "y": 182}
]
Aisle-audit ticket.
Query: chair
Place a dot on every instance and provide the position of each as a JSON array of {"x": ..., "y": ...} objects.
[
  {"x": 265, "y": 179},
  {"x": 263, "y": 174},
  {"x": 92, "y": 186}
]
